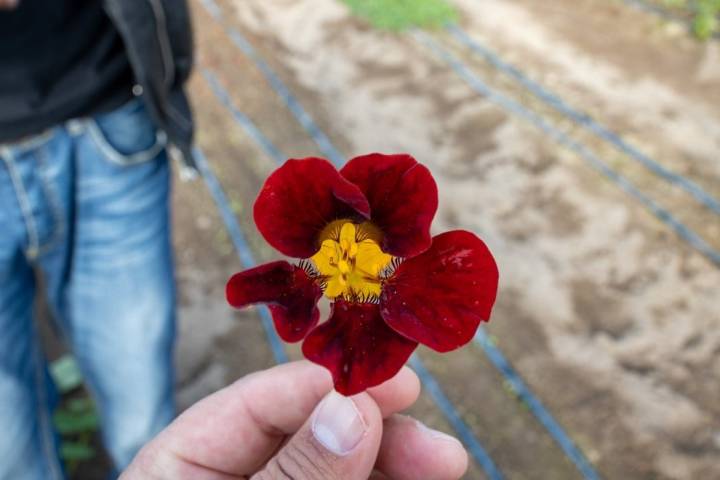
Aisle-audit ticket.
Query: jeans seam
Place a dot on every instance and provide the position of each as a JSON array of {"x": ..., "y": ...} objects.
[
  {"x": 30, "y": 142},
  {"x": 125, "y": 160},
  {"x": 53, "y": 200},
  {"x": 21, "y": 194}
]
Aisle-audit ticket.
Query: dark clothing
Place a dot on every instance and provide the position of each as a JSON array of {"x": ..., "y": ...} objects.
[
  {"x": 157, "y": 43},
  {"x": 58, "y": 60}
]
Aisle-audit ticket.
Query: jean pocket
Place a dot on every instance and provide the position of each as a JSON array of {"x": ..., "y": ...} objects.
[{"x": 127, "y": 136}]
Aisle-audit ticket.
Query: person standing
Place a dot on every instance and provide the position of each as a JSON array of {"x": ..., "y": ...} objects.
[{"x": 91, "y": 97}]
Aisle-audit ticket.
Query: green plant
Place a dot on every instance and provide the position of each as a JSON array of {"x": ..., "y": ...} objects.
[
  {"x": 397, "y": 15},
  {"x": 706, "y": 20},
  {"x": 76, "y": 421},
  {"x": 66, "y": 374},
  {"x": 705, "y": 15}
]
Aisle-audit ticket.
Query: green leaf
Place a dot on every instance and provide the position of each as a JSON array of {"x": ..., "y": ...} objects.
[
  {"x": 705, "y": 14},
  {"x": 70, "y": 423},
  {"x": 80, "y": 405},
  {"x": 76, "y": 451},
  {"x": 66, "y": 373},
  {"x": 705, "y": 24}
]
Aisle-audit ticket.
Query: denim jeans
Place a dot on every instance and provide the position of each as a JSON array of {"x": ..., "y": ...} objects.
[{"x": 84, "y": 213}]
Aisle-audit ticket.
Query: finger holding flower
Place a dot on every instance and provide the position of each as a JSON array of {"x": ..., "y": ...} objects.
[{"x": 363, "y": 237}]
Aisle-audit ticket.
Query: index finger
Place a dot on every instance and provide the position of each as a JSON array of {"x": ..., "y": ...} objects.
[{"x": 238, "y": 428}]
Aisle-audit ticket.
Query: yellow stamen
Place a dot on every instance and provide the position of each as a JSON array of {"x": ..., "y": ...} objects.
[{"x": 351, "y": 260}]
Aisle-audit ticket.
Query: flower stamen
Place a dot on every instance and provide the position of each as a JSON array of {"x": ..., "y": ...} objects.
[{"x": 351, "y": 262}]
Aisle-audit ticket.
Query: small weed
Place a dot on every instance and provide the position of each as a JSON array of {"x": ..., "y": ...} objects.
[
  {"x": 398, "y": 15},
  {"x": 706, "y": 13},
  {"x": 76, "y": 421}
]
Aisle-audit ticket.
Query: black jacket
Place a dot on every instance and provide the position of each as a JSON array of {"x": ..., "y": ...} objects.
[{"x": 159, "y": 42}]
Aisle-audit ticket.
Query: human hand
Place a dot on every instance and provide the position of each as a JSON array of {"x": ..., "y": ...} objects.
[{"x": 286, "y": 422}]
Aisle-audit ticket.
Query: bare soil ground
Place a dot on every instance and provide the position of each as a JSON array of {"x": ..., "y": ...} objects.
[{"x": 610, "y": 317}]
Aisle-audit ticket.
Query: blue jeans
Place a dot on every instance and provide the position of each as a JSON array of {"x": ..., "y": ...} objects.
[{"x": 84, "y": 214}]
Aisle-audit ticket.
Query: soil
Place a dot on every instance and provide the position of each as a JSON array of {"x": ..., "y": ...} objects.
[{"x": 611, "y": 318}]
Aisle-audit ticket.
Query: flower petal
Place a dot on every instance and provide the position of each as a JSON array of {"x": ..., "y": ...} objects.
[
  {"x": 403, "y": 199},
  {"x": 290, "y": 293},
  {"x": 440, "y": 297},
  {"x": 299, "y": 199},
  {"x": 358, "y": 348}
]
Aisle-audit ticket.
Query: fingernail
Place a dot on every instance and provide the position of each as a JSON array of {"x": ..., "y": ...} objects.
[
  {"x": 338, "y": 424},
  {"x": 435, "y": 434}
]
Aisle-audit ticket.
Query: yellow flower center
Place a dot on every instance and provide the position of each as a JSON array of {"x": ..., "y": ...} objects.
[{"x": 351, "y": 261}]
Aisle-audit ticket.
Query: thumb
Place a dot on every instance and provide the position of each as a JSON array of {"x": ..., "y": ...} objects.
[{"x": 340, "y": 440}]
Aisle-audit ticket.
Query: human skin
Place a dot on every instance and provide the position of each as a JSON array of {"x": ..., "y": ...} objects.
[
  {"x": 8, "y": 4},
  {"x": 287, "y": 422}
]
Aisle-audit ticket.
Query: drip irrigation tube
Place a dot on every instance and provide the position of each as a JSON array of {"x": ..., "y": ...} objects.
[
  {"x": 242, "y": 248},
  {"x": 512, "y": 106},
  {"x": 534, "y": 404},
  {"x": 583, "y": 119},
  {"x": 293, "y": 105},
  {"x": 448, "y": 409},
  {"x": 664, "y": 13}
]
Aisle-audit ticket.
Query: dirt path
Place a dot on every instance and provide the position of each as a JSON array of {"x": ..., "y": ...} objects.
[{"x": 609, "y": 316}]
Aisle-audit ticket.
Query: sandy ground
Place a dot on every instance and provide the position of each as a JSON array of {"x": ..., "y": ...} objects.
[{"x": 611, "y": 318}]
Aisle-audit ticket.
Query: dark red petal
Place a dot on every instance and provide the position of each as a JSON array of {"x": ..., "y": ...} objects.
[
  {"x": 358, "y": 348},
  {"x": 440, "y": 297},
  {"x": 290, "y": 293},
  {"x": 403, "y": 199},
  {"x": 299, "y": 199}
]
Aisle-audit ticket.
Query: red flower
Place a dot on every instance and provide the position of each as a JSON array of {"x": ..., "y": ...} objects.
[{"x": 364, "y": 233}]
